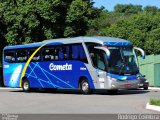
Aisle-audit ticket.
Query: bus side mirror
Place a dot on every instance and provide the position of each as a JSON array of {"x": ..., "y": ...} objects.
[
  {"x": 142, "y": 52},
  {"x": 108, "y": 54},
  {"x": 106, "y": 51},
  {"x": 143, "y": 76}
]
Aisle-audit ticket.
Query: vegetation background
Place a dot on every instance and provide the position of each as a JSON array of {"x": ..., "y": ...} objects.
[{"x": 26, "y": 21}]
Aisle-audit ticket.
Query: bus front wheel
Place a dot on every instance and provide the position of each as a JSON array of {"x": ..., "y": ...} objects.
[
  {"x": 84, "y": 86},
  {"x": 112, "y": 92},
  {"x": 26, "y": 85}
]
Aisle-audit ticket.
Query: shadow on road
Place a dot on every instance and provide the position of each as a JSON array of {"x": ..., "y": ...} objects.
[{"x": 77, "y": 92}]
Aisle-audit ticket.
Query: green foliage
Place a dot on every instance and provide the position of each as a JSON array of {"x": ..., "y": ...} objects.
[
  {"x": 25, "y": 21},
  {"x": 35, "y": 20},
  {"x": 127, "y": 8},
  {"x": 151, "y": 9},
  {"x": 155, "y": 102},
  {"x": 78, "y": 15},
  {"x": 141, "y": 29},
  {"x": 152, "y": 44},
  {"x": 106, "y": 19}
]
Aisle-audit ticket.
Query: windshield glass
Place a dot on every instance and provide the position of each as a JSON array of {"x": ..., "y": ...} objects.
[{"x": 122, "y": 61}]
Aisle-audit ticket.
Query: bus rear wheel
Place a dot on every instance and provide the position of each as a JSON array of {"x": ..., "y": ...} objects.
[
  {"x": 84, "y": 86},
  {"x": 26, "y": 85}
]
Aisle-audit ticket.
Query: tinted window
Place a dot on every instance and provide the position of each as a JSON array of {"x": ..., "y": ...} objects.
[
  {"x": 99, "y": 59},
  {"x": 49, "y": 54},
  {"x": 64, "y": 52},
  {"x": 36, "y": 57},
  {"x": 78, "y": 53},
  {"x": 21, "y": 55},
  {"x": 67, "y": 52},
  {"x": 9, "y": 56}
]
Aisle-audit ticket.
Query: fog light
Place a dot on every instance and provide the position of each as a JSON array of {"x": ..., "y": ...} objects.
[
  {"x": 113, "y": 86},
  {"x": 138, "y": 78}
]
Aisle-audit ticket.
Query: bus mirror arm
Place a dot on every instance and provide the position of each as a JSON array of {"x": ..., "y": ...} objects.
[
  {"x": 106, "y": 51},
  {"x": 142, "y": 52}
]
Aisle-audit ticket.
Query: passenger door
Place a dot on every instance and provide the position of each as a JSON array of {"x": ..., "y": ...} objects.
[{"x": 100, "y": 64}]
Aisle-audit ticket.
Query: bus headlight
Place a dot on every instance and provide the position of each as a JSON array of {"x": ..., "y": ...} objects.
[{"x": 114, "y": 79}]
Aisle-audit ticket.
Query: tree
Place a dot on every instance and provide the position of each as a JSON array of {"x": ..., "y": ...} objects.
[
  {"x": 152, "y": 44},
  {"x": 151, "y": 9},
  {"x": 35, "y": 20},
  {"x": 128, "y": 8},
  {"x": 141, "y": 29},
  {"x": 78, "y": 16}
]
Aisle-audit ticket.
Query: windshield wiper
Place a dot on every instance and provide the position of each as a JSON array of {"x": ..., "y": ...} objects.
[{"x": 121, "y": 67}]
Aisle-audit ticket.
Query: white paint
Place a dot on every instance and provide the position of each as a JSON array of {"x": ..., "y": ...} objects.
[
  {"x": 60, "y": 67},
  {"x": 101, "y": 79},
  {"x": 15, "y": 75},
  {"x": 100, "y": 73},
  {"x": 101, "y": 85}
]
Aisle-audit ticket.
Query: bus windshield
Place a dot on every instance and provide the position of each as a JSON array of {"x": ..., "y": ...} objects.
[{"x": 122, "y": 61}]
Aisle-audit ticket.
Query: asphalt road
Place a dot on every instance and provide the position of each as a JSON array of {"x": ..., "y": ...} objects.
[{"x": 73, "y": 102}]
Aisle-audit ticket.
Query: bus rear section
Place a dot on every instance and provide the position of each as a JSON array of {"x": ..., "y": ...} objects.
[{"x": 61, "y": 66}]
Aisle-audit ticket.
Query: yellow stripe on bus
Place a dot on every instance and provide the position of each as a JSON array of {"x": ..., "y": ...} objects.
[{"x": 27, "y": 63}]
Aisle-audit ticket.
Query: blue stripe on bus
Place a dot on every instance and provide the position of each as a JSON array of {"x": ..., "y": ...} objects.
[
  {"x": 117, "y": 43},
  {"x": 124, "y": 77}
]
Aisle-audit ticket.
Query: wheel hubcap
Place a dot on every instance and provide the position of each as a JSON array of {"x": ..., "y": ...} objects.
[
  {"x": 85, "y": 86},
  {"x": 26, "y": 85}
]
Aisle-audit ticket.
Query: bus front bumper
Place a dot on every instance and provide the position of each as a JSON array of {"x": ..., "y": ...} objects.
[{"x": 126, "y": 84}]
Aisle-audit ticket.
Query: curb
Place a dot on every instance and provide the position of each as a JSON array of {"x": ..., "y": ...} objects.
[
  {"x": 152, "y": 107},
  {"x": 154, "y": 88}
]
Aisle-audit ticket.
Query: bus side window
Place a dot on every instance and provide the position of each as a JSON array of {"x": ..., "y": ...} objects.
[
  {"x": 56, "y": 53},
  {"x": 9, "y": 56},
  {"x": 98, "y": 59},
  {"x": 75, "y": 52},
  {"x": 82, "y": 54},
  {"x": 66, "y": 52},
  {"x": 48, "y": 54},
  {"x": 78, "y": 53},
  {"x": 36, "y": 57},
  {"x": 61, "y": 53},
  {"x": 22, "y": 55}
]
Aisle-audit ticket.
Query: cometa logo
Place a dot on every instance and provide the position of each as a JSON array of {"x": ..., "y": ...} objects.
[{"x": 60, "y": 67}]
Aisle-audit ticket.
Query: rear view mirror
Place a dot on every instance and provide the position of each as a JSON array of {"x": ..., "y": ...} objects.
[
  {"x": 143, "y": 76},
  {"x": 142, "y": 52}
]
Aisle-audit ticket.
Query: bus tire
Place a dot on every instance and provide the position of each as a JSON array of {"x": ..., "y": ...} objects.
[
  {"x": 26, "y": 85},
  {"x": 145, "y": 88},
  {"x": 84, "y": 87},
  {"x": 112, "y": 92}
]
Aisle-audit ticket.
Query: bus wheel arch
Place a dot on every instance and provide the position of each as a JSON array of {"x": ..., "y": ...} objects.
[
  {"x": 84, "y": 85},
  {"x": 25, "y": 84}
]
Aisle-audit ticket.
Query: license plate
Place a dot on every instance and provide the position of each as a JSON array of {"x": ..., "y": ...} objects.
[
  {"x": 127, "y": 85},
  {"x": 141, "y": 84}
]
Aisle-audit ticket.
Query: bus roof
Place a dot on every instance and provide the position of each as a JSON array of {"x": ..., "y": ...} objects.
[{"x": 97, "y": 39}]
